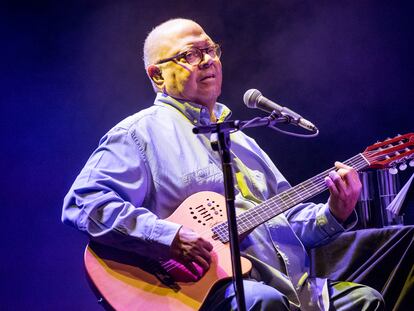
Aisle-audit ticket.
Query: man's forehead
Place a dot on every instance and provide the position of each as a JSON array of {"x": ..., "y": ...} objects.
[
  {"x": 172, "y": 42},
  {"x": 185, "y": 33}
]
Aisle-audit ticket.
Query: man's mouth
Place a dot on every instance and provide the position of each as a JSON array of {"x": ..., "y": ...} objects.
[{"x": 208, "y": 77}]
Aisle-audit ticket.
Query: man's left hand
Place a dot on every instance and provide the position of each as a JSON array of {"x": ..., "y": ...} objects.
[{"x": 345, "y": 187}]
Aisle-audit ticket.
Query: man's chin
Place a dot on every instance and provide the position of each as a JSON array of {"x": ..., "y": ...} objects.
[{"x": 209, "y": 91}]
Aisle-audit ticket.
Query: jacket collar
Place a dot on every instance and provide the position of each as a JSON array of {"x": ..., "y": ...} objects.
[{"x": 195, "y": 113}]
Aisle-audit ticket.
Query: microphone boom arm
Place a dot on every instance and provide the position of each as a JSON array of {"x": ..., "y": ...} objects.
[{"x": 235, "y": 125}]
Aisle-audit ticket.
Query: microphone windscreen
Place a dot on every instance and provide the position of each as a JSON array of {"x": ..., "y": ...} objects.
[{"x": 251, "y": 97}]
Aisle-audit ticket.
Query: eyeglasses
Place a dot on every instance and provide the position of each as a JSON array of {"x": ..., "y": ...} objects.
[{"x": 194, "y": 56}]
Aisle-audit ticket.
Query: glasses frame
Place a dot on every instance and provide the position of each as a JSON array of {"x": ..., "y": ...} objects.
[{"x": 183, "y": 55}]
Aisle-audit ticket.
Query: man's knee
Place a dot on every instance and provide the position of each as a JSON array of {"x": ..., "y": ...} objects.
[
  {"x": 263, "y": 297},
  {"x": 258, "y": 296},
  {"x": 368, "y": 298},
  {"x": 353, "y": 296}
]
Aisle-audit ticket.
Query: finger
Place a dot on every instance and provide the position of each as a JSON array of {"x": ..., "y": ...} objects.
[
  {"x": 331, "y": 186},
  {"x": 190, "y": 266},
  {"x": 337, "y": 180},
  {"x": 340, "y": 165},
  {"x": 344, "y": 170},
  {"x": 350, "y": 177},
  {"x": 205, "y": 254},
  {"x": 202, "y": 262},
  {"x": 207, "y": 245}
]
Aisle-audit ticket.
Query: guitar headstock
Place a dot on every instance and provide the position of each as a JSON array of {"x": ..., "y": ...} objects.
[{"x": 391, "y": 153}]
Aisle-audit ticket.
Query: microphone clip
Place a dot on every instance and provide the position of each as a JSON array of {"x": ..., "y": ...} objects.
[{"x": 280, "y": 117}]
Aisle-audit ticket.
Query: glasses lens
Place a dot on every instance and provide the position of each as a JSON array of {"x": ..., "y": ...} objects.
[
  {"x": 193, "y": 56},
  {"x": 217, "y": 51}
]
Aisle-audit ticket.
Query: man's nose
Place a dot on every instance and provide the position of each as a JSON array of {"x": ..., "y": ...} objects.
[{"x": 206, "y": 61}]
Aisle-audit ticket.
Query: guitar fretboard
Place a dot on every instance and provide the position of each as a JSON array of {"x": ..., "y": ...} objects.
[{"x": 278, "y": 204}]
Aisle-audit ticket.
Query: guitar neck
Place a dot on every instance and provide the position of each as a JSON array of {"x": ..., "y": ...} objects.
[{"x": 280, "y": 203}]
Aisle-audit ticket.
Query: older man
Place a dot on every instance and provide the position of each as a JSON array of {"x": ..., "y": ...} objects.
[{"x": 149, "y": 163}]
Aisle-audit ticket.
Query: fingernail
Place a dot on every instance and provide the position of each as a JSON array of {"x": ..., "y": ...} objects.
[{"x": 333, "y": 175}]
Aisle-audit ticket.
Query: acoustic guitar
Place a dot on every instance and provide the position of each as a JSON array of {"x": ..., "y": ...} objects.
[{"x": 127, "y": 281}]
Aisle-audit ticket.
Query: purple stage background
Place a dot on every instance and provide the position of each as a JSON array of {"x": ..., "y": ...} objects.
[{"x": 73, "y": 69}]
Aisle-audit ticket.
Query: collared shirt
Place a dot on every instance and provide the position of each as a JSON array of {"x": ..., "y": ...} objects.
[{"x": 146, "y": 166}]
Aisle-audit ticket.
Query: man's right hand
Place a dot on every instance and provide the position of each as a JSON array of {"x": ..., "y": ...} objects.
[{"x": 188, "y": 248}]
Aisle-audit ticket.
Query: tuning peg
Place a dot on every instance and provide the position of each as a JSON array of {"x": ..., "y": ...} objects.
[
  {"x": 393, "y": 170},
  {"x": 411, "y": 163},
  {"x": 402, "y": 167}
]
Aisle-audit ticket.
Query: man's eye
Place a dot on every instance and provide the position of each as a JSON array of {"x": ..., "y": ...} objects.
[
  {"x": 191, "y": 55},
  {"x": 211, "y": 51}
]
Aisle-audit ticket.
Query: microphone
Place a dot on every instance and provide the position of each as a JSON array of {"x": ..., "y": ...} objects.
[{"x": 254, "y": 99}]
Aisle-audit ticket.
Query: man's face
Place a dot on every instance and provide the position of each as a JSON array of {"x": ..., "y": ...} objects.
[{"x": 199, "y": 83}]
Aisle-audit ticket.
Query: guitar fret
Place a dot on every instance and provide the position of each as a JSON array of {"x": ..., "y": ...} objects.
[
  {"x": 298, "y": 193},
  {"x": 254, "y": 216},
  {"x": 285, "y": 200}
]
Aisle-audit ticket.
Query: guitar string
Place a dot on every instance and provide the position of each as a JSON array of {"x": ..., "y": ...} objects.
[
  {"x": 352, "y": 162},
  {"x": 296, "y": 195},
  {"x": 218, "y": 245},
  {"x": 172, "y": 264},
  {"x": 316, "y": 186},
  {"x": 290, "y": 200}
]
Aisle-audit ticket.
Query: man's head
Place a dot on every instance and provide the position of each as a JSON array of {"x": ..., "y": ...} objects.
[{"x": 182, "y": 77}]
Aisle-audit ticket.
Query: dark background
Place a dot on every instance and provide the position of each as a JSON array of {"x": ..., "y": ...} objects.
[{"x": 70, "y": 70}]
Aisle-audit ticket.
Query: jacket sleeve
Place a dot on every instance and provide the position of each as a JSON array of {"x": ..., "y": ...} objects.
[
  {"x": 108, "y": 198},
  {"x": 315, "y": 225}
]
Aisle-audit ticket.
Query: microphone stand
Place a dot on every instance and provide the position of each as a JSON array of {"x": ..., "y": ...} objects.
[{"x": 222, "y": 145}]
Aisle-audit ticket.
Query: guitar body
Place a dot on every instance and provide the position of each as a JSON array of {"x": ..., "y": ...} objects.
[{"x": 128, "y": 282}]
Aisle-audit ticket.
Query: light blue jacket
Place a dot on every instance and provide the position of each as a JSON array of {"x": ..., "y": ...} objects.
[{"x": 150, "y": 162}]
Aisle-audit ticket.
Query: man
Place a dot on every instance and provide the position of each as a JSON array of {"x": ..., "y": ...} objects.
[{"x": 150, "y": 162}]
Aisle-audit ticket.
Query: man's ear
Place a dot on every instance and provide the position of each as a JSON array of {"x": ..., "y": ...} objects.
[{"x": 155, "y": 75}]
